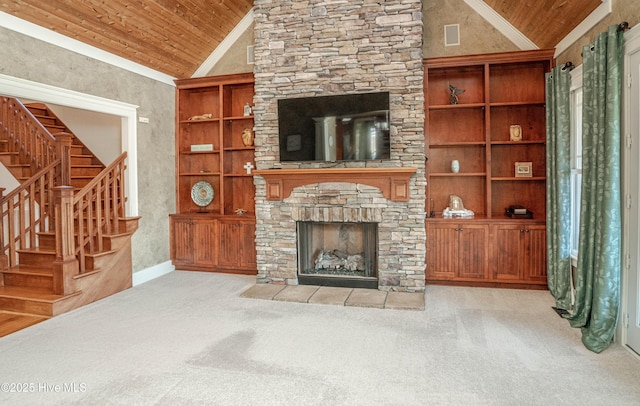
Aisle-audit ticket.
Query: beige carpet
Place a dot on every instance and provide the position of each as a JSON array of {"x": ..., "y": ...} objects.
[{"x": 189, "y": 338}]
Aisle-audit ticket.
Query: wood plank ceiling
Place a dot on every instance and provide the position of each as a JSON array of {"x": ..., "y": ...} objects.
[
  {"x": 176, "y": 36},
  {"x": 544, "y": 22},
  {"x": 171, "y": 36}
]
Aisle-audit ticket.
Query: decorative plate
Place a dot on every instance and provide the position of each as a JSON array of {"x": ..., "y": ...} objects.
[{"x": 202, "y": 193}]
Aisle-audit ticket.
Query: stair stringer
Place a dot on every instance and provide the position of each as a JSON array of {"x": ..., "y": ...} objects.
[{"x": 114, "y": 276}]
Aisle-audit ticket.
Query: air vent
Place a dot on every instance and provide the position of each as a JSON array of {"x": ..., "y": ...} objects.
[
  {"x": 451, "y": 35},
  {"x": 250, "y": 55}
]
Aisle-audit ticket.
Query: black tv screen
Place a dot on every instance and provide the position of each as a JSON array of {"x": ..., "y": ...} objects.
[{"x": 351, "y": 127}]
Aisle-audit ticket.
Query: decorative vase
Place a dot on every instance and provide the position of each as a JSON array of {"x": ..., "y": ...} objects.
[
  {"x": 455, "y": 166},
  {"x": 247, "y": 137}
]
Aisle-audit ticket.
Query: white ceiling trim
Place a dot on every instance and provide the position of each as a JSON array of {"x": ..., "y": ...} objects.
[
  {"x": 225, "y": 45},
  {"x": 35, "y": 31},
  {"x": 588, "y": 23},
  {"x": 502, "y": 25}
]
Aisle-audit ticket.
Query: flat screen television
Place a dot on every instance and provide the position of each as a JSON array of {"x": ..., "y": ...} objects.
[{"x": 349, "y": 127}]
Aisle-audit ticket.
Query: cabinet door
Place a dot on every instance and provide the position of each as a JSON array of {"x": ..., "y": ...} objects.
[
  {"x": 181, "y": 240},
  {"x": 472, "y": 254},
  {"x": 237, "y": 244},
  {"x": 535, "y": 268},
  {"x": 204, "y": 242},
  {"x": 248, "y": 246},
  {"x": 442, "y": 251},
  {"x": 509, "y": 244}
]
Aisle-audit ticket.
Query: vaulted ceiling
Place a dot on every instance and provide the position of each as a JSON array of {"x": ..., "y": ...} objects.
[{"x": 176, "y": 36}]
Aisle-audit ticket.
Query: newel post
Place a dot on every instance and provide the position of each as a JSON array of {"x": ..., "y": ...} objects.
[
  {"x": 66, "y": 265},
  {"x": 63, "y": 144}
]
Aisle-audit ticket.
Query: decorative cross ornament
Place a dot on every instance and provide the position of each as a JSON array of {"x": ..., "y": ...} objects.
[{"x": 248, "y": 166}]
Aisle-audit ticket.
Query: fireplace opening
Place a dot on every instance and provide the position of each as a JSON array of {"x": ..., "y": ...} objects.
[{"x": 338, "y": 254}]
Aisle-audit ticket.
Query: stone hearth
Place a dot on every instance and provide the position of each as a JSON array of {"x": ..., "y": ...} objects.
[{"x": 316, "y": 48}]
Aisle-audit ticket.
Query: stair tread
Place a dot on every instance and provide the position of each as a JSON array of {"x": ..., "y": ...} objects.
[
  {"x": 30, "y": 269},
  {"x": 43, "y": 295},
  {"x": 37, "y": 250}
]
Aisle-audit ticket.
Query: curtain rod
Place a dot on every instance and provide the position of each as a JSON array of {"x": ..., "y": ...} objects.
[
  {"x": 623, "y": 26},
  {"x": 567, "y": 66}
]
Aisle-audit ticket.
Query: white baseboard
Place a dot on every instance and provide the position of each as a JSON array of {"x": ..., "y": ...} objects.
[{"x": 153, "y": 272}]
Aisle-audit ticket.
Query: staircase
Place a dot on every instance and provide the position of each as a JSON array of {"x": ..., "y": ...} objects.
[
  {"x": 84, "y": 164},
  {"x": 65, "y": 239}
]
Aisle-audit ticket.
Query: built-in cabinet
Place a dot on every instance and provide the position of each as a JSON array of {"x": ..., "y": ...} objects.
[
  {"x": 214, "y": 144},
  {"x": 487, "y": 113}
]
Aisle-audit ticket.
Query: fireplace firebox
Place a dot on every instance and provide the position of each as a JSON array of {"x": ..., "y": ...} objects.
[{"x": 338, "y": 254}]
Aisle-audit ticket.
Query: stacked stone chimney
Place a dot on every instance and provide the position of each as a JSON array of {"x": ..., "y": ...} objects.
[{"x": 319, "y": 48}]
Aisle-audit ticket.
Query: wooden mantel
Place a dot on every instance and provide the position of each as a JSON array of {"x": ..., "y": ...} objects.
[{"x": 392, "y": 182}]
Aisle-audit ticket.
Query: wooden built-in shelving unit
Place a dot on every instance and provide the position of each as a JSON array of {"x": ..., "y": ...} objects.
[{"x": 500, "y": 90}]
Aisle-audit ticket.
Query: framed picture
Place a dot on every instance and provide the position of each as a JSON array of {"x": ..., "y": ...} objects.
[
  {"x": 515, "y": 133},
  {"x": 523, "y": 170}
]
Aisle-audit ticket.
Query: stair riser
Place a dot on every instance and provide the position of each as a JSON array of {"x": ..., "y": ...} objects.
[
  {"x": 21, "y": 305},
  {"x": 10, "y": 158},
  {"x": 19, "y": 171},
  {"x": 36, "y": 259},
  {"x": 29, "y": 281},
  {"x": 84, "y": 171},
  {"x": 82, "y": 160}
]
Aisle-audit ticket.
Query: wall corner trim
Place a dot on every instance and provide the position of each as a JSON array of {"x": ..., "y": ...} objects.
[
  {"x": 502, "y": 25},
  {"x": 225, "y": 45},
  {"x": 43, "y": 34}
]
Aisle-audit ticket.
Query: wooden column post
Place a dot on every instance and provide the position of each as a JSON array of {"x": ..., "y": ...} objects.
[
  {"x": 63, "y": 141},
  {"x": 66, "y": 265}
]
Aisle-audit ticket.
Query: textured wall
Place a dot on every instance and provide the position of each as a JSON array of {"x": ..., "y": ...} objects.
[
  {"x": 235, "y": 60},
  {"x": 477, "y": 36},
  {"x": 27, "y": 58}
]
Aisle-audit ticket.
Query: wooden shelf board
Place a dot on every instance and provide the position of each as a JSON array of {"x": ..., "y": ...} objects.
[
  {"x": 462, "y": 174},
  {"x": 458, "y": 144},
  {"x": 456, "y": 106},
  {"x": 513, "y": 178},
  {"x": 208, "y": 120},
  {"x": 231, "y": 118},
  {"x": 516, "y": 143},
  {"x": 518, "y": 103}
]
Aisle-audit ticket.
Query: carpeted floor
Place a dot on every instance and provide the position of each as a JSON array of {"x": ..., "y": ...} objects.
[{"x": 189, "y": 338}]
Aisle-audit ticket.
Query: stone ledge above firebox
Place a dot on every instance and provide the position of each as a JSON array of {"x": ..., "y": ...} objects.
[{"x": 392, "y": 182}]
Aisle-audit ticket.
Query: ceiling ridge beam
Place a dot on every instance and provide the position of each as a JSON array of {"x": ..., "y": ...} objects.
[
  {"x": 502, "y": 25},
  {"x": 225, "y": 45}
]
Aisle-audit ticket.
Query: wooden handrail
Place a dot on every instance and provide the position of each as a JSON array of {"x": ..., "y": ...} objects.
[{"x": 26, "y": 136}]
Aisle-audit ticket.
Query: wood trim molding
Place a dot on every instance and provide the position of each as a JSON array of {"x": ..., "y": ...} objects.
[
  {"x": 501, "y": 24},
  {"x": 44, "y": 34},
  {"x": 224, "y": 46},
  {"x": 392, "y": 182}
]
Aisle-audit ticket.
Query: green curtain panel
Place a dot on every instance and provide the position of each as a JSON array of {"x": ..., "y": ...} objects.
[
  {"x": 558, "y": 83},
  {"x": 598, "y": 276}
]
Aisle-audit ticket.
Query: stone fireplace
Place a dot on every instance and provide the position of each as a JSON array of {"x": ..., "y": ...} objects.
[
  {"x": 343, "y": 254},
  {"x": 315, "y": 48}
]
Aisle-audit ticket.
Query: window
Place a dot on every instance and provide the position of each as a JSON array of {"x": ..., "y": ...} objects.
[{"x": 576, "y": 159}]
